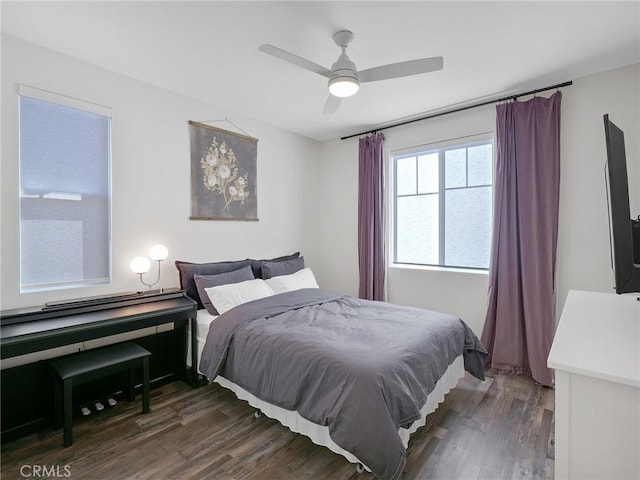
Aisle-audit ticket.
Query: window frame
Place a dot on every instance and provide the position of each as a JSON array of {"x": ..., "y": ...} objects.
[
  {"x": 86, "y": 106},
  {"x": 439, "y": 147}
]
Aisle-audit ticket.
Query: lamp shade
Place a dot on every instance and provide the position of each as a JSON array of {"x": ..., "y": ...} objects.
[
  {"x": 158, "y": 252},
  {"x": 140, "y": 265},
  {"x": 343, "y": 86}
]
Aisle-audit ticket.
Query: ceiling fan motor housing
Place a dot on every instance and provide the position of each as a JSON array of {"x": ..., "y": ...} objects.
[{"x": 345, "y": 81}]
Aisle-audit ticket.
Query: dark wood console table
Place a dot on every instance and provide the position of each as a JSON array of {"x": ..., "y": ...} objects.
[{"x": 29, "y": 330}]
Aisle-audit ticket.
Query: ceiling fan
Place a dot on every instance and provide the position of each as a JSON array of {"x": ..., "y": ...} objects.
[{"x": 344, "y": 79}]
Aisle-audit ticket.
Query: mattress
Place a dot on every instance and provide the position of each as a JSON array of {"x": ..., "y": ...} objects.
[
  {"x": 203, "y": 320},
  {"x": 317, "y": 433}
]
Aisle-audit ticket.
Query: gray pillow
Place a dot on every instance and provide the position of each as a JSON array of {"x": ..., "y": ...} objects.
[
  {"x": 207, "y": 281},
  {"x": 256, "y": 265},
  {"x": 286, "y": 267},
  {"x": 188, "y": 270}
]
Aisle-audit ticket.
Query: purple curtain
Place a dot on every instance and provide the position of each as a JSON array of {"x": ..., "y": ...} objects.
[
  {"x": 370, "y": 217},
  {"x": 519, "y": 326}
]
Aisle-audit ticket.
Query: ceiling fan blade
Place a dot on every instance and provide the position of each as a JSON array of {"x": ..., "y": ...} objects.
[
  {"x": 331, "y": 105},
  {"x": 295, "y": 60},
  {"x": 401, "y": 69}
]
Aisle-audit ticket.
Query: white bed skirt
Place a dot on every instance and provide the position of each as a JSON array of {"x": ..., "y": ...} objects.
[{"x": 319, "y": 434}]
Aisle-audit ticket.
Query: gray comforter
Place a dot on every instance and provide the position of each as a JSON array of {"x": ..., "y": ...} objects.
[{"x": 360, "y": 367}]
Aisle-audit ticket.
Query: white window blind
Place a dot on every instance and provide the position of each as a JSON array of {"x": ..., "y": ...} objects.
[{"x": 65, "y": 186}]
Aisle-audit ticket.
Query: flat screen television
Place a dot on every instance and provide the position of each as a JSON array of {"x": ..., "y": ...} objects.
[{"x": 624, "y": 230}]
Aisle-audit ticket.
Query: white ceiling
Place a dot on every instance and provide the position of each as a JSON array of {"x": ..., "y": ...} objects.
[{"x": 208, "y": 50}]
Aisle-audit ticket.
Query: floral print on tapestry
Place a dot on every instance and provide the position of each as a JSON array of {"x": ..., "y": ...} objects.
[{"x": 223, "y": 174}]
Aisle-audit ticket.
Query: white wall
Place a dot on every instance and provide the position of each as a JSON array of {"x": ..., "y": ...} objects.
[
  {"x": 583, "y": 247},
  {"x": 151, "y": 180},
  {"x": 337, "y": 218}
]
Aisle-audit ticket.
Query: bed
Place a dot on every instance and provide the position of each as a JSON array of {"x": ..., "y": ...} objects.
[{"x": 353, "y": 375}]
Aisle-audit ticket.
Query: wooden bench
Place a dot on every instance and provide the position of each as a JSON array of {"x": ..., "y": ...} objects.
[{"x": 94, "y": 365}]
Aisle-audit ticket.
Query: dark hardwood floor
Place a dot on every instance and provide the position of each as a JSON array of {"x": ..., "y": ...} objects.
[{"x": 498, "y": 429}]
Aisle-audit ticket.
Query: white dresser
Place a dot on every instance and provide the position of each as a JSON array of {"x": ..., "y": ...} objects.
[{"x": 596, "y": 355}]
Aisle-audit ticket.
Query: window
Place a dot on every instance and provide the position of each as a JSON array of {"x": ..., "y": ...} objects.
[
  {"x": 65, "y": 164},
  {"x": 442, "y": 204}
]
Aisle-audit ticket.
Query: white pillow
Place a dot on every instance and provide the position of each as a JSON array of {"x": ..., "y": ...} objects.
[
  {"x": 285, "y": 283},
  {"x": 225, "y": 297}
]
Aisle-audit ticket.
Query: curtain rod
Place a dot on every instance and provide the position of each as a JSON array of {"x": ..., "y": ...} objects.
[{"x": 455, "y": 110}]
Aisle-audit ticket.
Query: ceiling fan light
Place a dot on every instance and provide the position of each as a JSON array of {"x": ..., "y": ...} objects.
[{"x": 343, "y": 86}]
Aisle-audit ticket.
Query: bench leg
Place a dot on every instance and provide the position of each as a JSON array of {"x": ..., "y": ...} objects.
[
  {"x": 145, "y": 385},
  {"x": 131, "y": 394},
  {"x": 57, "y": 403},
  {"x": 68, "y": 412}
]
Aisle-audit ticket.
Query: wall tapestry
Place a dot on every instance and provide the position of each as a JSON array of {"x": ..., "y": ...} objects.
[{"x": 223, "y": 174}]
